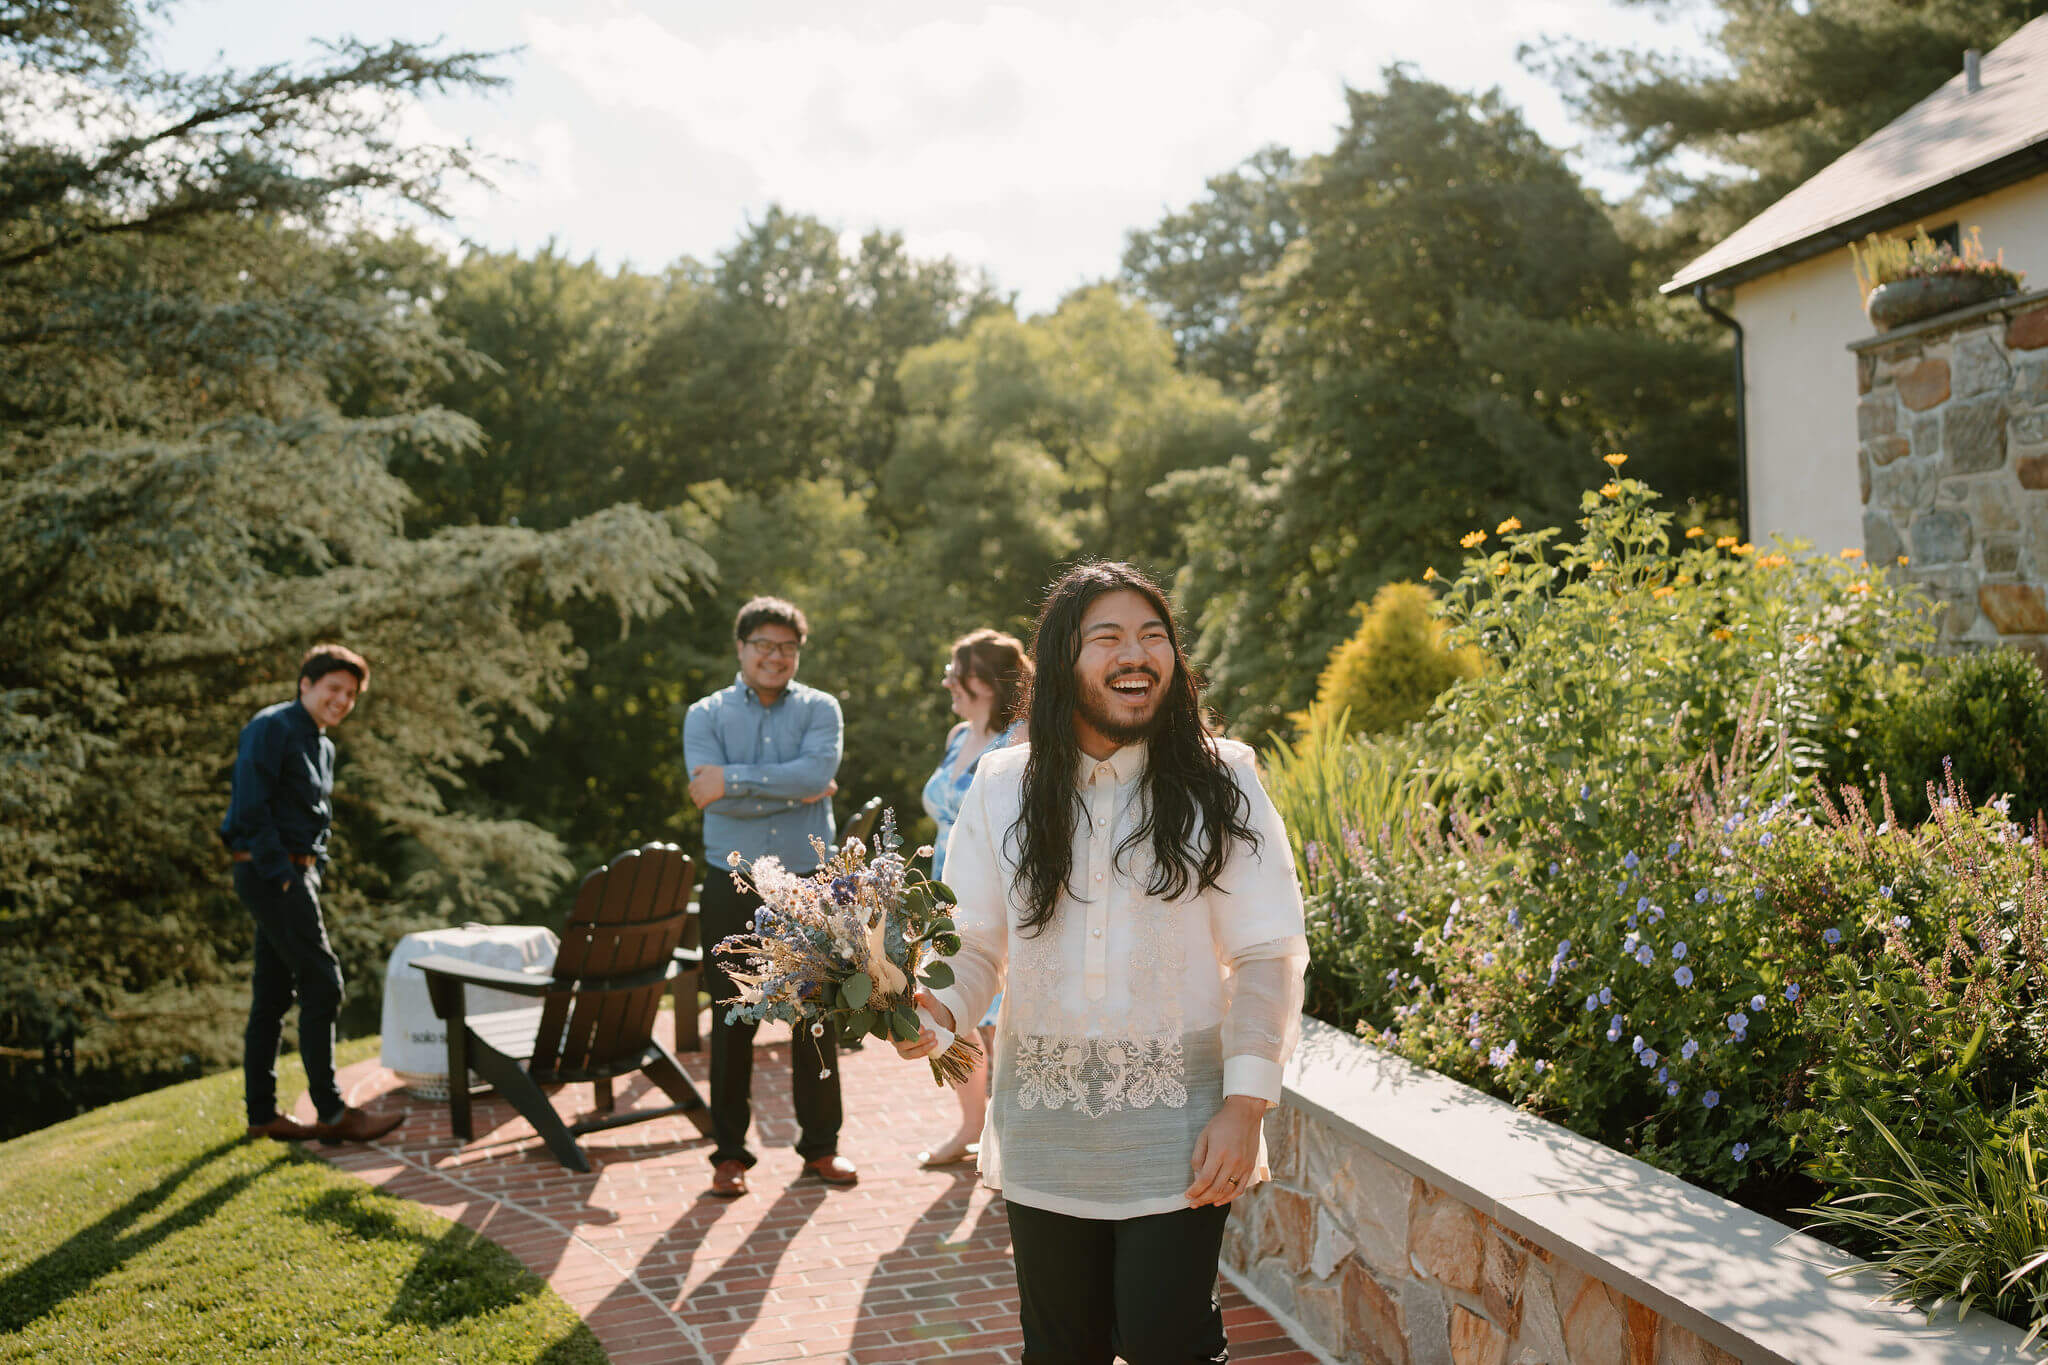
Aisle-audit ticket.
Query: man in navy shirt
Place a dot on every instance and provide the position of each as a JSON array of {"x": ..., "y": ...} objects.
[
  {"x": 761, "y": 755},
  {"x": 279, "y": 810}
]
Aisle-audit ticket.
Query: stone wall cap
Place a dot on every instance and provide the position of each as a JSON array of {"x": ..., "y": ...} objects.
[
  {"x": 1919, "y": 331},
  {"x": 1746, "y": 1283}
]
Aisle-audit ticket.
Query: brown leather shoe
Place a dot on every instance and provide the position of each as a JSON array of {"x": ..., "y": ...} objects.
[
  {"x": 729, "y": 1179},
  {"x": 355, "y": 1125},
  {"x": 833, "y": 1170},
  {"x": 281, "y": 1129}
]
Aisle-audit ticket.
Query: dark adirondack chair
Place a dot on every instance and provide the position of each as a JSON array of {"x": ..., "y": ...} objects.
[
  {"x": 862, "y": 825},
  {"x": 596, "y": 1018}
]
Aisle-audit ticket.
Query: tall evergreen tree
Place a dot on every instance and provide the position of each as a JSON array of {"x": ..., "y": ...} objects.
[
  {"x": 1787, "y": 88},
  {"x": 203, "y": 385}
]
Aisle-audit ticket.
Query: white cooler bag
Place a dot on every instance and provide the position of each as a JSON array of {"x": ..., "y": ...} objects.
[{"x": 415, "y": 1041}]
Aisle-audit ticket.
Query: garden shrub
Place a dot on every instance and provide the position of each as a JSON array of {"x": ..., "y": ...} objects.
[
  {"x": 1922, "y": 1102},
  {"x": 1626, "y": 655},
  {"x": 1386, "y": 675},
  {"x": 1986, "y": 714},
  {"x": 1620, "y": 972},
  {"x": 1603, "y": 954},
  {"x": 1350, "y": 806}
]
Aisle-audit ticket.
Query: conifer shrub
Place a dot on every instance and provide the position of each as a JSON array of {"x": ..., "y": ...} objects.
[{"x": 1391, "y": 669}]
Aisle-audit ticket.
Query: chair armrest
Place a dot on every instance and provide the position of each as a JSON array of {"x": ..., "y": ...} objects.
[
  {"x": 690, "y": 957},
  {"x": 477, "y": 974}
]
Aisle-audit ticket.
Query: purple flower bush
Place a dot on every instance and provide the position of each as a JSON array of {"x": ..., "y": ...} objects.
[{"x": 1582, "y": 929}]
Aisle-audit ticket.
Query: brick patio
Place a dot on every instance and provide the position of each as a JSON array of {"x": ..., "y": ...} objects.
[{"x": 910, "y": 1265}]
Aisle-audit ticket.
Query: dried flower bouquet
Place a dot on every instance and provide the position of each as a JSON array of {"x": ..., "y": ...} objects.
[{"x": 846, "y": 947}]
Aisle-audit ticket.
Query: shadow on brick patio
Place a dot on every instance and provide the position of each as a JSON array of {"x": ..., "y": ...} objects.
[{"x": 909, "y": 1265}]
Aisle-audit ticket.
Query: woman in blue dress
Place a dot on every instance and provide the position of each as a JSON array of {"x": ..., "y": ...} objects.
[{"x": 988, "y": 678}]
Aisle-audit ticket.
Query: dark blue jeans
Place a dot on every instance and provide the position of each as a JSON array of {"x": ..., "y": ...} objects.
[{"x": 293, "y": 961}]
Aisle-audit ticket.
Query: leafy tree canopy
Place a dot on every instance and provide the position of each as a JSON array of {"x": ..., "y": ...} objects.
[{"x": 1452, "y": 339}]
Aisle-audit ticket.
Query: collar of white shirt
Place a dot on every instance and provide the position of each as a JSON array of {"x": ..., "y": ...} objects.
[{"x": 1123, "y": 767}]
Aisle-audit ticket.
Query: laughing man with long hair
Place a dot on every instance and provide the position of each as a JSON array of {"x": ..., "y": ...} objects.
[{"x": 1126, "y": 882}]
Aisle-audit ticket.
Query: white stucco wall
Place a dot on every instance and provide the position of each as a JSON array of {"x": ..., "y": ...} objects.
[{"x": 1800, "y": 379}]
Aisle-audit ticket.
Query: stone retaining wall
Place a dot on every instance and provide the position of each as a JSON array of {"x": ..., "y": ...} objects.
[
  {"x": 1413, "y": 1221},
  {"x": 1952, "y": 430}
]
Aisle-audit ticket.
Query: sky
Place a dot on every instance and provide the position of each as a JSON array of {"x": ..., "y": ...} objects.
[{"x": 1023, "y": 139}]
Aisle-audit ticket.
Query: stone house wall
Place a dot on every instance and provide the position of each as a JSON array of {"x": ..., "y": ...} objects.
[
  {"x": 1411, "y": 1220},
  {"x": 1952, "y": 459}
]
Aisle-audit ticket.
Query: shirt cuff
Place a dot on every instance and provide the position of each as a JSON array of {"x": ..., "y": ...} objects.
[
  {"x": 1254, "y": 1076},
  {"x": 739, "y": 779},
  {"x": 950, "y": 998}
]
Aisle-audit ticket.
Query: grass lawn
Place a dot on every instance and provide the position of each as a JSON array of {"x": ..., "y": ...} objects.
[{"x": 151, "y": 1230}]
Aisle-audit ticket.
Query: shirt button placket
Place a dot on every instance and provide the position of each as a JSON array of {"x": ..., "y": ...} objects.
[{"x": 1098, "y": 901}]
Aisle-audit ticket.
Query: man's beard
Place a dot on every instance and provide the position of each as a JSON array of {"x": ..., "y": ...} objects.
[{"x": 1091, "y": 704}]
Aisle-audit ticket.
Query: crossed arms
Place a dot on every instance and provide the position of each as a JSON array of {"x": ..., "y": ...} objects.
[{"x": 748, "y": 791}]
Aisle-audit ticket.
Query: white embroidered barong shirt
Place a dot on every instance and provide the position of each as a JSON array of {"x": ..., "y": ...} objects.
[{"x": 1127, "y": 1019}]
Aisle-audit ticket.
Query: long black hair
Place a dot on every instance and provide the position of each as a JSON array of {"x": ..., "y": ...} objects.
[{"x": 1184, "y": 775}]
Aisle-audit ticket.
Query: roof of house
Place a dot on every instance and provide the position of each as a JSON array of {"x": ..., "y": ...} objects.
[{"x": 1954, "y": 145}]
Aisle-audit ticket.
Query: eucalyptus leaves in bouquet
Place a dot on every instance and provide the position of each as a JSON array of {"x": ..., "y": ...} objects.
[{"x": 847, "y": 946}]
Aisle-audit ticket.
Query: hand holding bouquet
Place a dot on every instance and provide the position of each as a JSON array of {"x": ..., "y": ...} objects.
[{"x": 847, "y": 946}]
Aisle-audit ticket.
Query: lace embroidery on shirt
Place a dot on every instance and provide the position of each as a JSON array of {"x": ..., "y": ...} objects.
[
  {"x": 1097, "y": 1076},
  {"x": 1095, "y": 1064}
]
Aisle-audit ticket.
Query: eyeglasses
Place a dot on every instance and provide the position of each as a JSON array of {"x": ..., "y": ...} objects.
[{"x": 781, "y": 649}]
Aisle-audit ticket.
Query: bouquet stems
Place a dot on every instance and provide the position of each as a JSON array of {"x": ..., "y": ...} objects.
[{"x": 956, "y": 1063}]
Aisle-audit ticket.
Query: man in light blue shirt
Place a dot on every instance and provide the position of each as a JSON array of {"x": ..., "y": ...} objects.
[{"x": 761, "y": 755}]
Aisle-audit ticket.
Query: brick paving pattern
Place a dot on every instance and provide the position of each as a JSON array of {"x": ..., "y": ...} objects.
[{"x": 909, "y": 1265}]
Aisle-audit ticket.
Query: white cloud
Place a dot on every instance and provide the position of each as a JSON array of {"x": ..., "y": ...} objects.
[
  {"x": 1026, "y": 138},
  {"x": 1033, "y": 136}
]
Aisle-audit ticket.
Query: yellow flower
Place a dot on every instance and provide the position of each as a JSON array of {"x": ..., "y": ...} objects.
[
  {"x": 1511, "y": 524},
  {"x": 1598, "y": 565},
  {"x": 1472, "y": 540},
  {"x": 1663, "y": 592},
  {"x": 1723, "y": 542},
  {"x": 1429, "y": 575},
  {"x": 1772, "y": 561},
  {"x": 1851, "y": 552},
  {"x": 1695, "y": 532},
  {"x": 1682, "y": 579},
  {"x": 1612, "y": 490},
  {"x": 1500, "y": 570},
  {"x": 1904, "y": 561},
  {"x": 1723, "y": 633},
  {"x": 1743, "y": 550},
  {"x": 1859, "y": 587},
  {"x": 1615, "y": 461}
]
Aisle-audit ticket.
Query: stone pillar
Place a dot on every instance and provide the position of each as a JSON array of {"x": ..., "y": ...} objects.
[{"x": 1952, "y": 428}]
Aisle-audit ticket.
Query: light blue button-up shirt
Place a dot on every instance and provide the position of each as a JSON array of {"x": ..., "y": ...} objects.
[{"x": 774, "y": 757}]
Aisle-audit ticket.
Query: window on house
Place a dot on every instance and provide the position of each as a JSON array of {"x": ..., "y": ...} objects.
[{"x": 1948, "y": 235}]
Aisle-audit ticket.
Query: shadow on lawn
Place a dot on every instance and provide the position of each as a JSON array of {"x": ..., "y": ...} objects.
[
  {"x": 442, "y": 1288},
  {"x": 94, "y": 1252}
]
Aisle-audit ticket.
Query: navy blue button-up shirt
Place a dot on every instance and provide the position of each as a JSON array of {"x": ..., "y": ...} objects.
[
  {"x": 280, "y": 800},
  {"x": 773, "y": 757}
]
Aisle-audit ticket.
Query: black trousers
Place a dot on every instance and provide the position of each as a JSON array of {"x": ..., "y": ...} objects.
[
  {"x": 1140, "y": 1288},
  {"x": 723, "y": 908},
  {"x": 293, "y": 961}
]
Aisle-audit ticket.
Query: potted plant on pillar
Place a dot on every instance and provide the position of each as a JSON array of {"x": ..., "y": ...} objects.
[{"x": 1905, "y": 279}]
